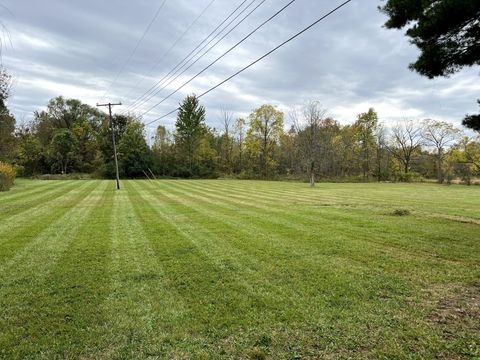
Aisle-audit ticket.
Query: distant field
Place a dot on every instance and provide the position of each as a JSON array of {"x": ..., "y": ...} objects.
[{"x": 239, "y": 269}]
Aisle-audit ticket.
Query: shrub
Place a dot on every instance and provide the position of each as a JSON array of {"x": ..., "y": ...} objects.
[
  {"x": 7, "y": 176},
  {"x": 409, "y": 177},
  {"x": 401, "y": 212}
]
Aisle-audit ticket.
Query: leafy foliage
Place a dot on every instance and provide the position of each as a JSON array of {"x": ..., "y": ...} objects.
[
  {"x": 133, "y": 152},
  {"x": 263, "y": 136},
  {"x": 7, "y": 176},
  {"x": 473, "y": 121},
  {"x": 190, "y": 130},
  {"x": 71, "y": 137},
  {"x": 447, "y": 32},
  {"x": 7, "y": 121}
]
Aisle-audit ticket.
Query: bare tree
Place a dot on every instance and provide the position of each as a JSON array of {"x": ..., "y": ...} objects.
[
  {"x": 406, "y": 140},
  {"x": 307, "y": 122},
  {"x": 439, "y": 135},
  {"x": 227, "y": 140},
  {"x": 381, "y": 153},
  {"x": 240, "y": 126}
]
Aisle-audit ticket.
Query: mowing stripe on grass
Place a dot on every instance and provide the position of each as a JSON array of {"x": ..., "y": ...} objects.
[
  {"x": 42, "y": 288},
  {"x": 18, "y": 192},
  {"x": 137, "y": 277},
  {"x": 232, "y": 269},
  {"x": 40, "y": 254},
  {"x": 21, "y": 236},
  {"x": 286, "y": 298},
  {"x": 397, "y": 239},
  {"x": 348, "y": 249},
  {"x": 31, "y": 214},
  {"x": 19, "y": 206},
  {"x": 212, "y": 244},
  {"x": 81, "y": 280}
]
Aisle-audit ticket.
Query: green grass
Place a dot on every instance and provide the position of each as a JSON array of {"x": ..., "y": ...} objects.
[{"x": 239, "y": 269}]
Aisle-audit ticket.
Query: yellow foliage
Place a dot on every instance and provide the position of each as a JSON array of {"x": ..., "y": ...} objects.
[{"x": 7, "y": 176}]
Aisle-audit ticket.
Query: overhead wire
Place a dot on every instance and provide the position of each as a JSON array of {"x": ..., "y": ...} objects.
[
  {"x": 174, "y": 44},
  {"x": 189, "y": 57},
  {"x": 259, "y": 59},
  {"x": 134, "y": 51},
  {"x": 221, "y": 56}
]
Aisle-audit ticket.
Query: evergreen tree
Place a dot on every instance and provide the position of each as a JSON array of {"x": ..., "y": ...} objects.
[{"x": 190, "y": 129}]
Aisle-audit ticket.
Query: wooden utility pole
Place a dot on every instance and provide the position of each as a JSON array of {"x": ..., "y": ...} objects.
[{"x": 112, "y": 129}]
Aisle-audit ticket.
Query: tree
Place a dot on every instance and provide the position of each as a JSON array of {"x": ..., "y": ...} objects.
[
  {"x": 406, "y": 140},
  {"x": 163, "y": 152},
  {"x": 62, "y": 150},
  {"x": 264, "y": 133},
  {"x": 447, "y": 32},
  {"x": 464, "y": 158},
  {"x": 439, "y": 134},
  {"x": 29, "y": 152},
  {"x": 382, "y": 159},
  {"x": 84, "y": 121},
  {"x": 105, "y": 146},
  {"x": 240, "y": 125},
  {"x": 133, "y": 152},
  {"x": 472, "y": 121},
  {"x": 190, "y": 128},
  {"x": 365, "y": 126},
  {"x": 308, "y": 126},
  {"x": 226, "y": 142},
  {"x": 7, "y": 121}
]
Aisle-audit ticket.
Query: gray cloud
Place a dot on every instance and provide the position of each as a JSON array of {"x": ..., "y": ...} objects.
[{"x": 349, "y": 62}]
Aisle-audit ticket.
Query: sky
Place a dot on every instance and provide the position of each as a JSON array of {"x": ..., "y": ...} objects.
[{"x": 100, "y": 51}]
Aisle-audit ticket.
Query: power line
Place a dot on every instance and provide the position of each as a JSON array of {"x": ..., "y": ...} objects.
[
  {"x": 260, "y": 58},
  {"x": 177, "y": 75},
  {"x": 146, "y": 96},
  {"x": 134, "y": 51},
  {"x": 165, "y": 54},
  {"x": 154, "y": 90},
  {"x": 222, "y": 56}
]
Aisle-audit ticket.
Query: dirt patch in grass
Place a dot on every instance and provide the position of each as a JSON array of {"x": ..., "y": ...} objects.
[{"x": 456, "y": 311}]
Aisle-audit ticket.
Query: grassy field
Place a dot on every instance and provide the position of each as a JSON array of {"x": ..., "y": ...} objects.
[{"x": 239, "y": 269}]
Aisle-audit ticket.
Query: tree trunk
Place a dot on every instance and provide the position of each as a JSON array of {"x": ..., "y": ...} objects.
[
  {"x": 312, "y": 173},
  {"x": 439, "y": 168}
]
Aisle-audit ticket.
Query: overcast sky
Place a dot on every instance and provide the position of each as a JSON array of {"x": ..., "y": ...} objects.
[{"x": 348, "y": 62}]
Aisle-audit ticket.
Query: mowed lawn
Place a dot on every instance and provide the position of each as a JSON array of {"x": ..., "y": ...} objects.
[{"x": 239, "y": 269}]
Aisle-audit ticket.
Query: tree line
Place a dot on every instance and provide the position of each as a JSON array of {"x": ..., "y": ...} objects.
[{"x": 72, "y": 137}]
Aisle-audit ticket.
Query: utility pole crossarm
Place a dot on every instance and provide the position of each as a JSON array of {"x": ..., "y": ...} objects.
[{"x": 113, "y": 138}]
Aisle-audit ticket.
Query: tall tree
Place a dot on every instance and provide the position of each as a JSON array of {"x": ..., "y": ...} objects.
[
  {"x": 133, "y": 152},
  {"x": 264, "y": 133},
  {"x": 447, "y": 32},
  {"x": 307, "y": 125},
  {"x": 84, "y": 121},
  {"x": 464, "y": 158},
  {"x": 406, "y": 141},
  {"x": 226, "y": 142},
  {"x": 365, "y": 126},
  {"x": 240, "y": 126},
  {"x": 104, "y": 135},
  {"x": 163, "y": 152},
  {"x": 439, "y": 135},
  {"x": 190, "y": 128},
  {"x": 382, "y": 158},
  {"x": 29, "y": 153},
  {"x": 7, "y": 121},
  {"x": 63, "y": 150}
]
